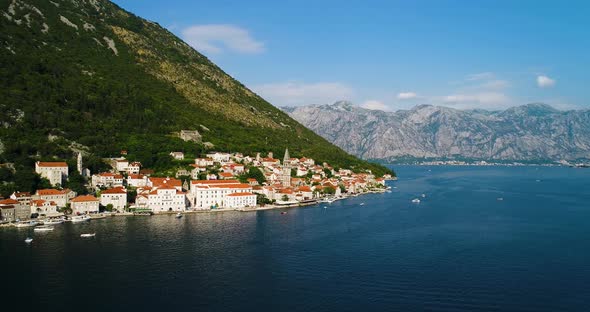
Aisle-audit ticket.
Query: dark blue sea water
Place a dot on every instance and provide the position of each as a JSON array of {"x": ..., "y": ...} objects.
[{"x": 460, "y": 249}]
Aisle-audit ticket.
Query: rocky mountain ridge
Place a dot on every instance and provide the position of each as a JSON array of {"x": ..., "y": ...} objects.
[{"x": 532, "y": 132}]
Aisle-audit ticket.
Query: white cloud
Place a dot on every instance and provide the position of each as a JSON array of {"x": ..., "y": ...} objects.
[
  {"x": 406, "y": 95},
  {"x": 480, "y": 76},
  {"x": 545, "y": 82},
  {"x": 485, "y": 100},
  {"x": 494, "y": 84},
  {"x": 298, "y": 93},
  {"x": 374, "y": 105},
  {"x": 216, "y": 38}
]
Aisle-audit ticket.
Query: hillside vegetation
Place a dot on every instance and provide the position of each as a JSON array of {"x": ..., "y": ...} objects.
[{"x": 89, "y": 76}]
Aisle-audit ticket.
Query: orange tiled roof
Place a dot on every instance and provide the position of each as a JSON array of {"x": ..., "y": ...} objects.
[
  {"x": 165, "y": 182},
  {"x": 51, "y": 164},
  {"x": 214, "y": 181},
  {"x": 38, "y": 202},
  {"x": 84, "y": 198},
  {"x": 51, "y": 192},
  {"x": 115, "y": 190},
  {"x": 8, "y": 201}
]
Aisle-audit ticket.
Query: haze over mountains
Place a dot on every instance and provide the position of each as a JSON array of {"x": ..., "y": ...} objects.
[{"x": 533, "y": 132}]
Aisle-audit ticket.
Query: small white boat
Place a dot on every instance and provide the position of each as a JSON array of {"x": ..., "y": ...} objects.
[
  {"x": 78, "y": 219},
  {"x": 423, "y": 195},
  {"x": 44, "y": 228},
  {"x": 500, "y": 198},
  {"x": 28, "y": 240},
  {"x": 415, "y": 201},
  {"x": 88, "y": 235},
  {"x": 53, "y": 221},
  {"x": 24, "y": 224},
  {"x": 179, "y": 215},
  {"x": 362, "y": 204}
]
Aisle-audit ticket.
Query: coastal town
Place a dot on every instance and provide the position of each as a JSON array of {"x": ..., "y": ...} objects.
[{"x": 216, "y": 182}]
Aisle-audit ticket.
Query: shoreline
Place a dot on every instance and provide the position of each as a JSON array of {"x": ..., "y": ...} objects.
[{"x": 221, "y": 210}]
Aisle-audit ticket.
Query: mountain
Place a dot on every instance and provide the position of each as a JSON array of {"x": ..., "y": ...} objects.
[
  {"x": 86, "y": 75},
  {"x": 532, "y": 132}
]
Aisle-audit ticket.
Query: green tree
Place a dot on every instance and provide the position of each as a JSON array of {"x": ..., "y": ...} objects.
[
  {"x": 262, "y": 200},
  {"x": 131, "y": 195},
  {"x": 253, "y": 173},
  {"x": 77, "y": 183},
  {"x": 329, "y": 190}
]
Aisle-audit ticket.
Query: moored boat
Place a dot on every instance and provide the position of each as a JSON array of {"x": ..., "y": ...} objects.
[
  {"x": 25, "y": 224},
  {"x": 28, "y": 240},
  {"x": 88, "y": 235},
  {"x": 44, "y": 228},
  {"x": 97, "y": 216},
  {"x": 415, "y": 201},
  {"x": 179, "y": 215},
  {"x": 53, "y": 221},
  {"x": 78, "y": 219}
]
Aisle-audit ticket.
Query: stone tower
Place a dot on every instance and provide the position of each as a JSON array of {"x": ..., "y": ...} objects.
[
  {"x": 286, "y": 175},
  {"x": 79, "y": 164}
]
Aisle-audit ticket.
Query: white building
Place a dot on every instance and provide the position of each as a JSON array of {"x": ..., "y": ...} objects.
[
  {"x": 44, "y": 207},
  {"x": 177, "y": 155},
  {"x": 84, "y": 204},
  {"x": 219, "y": 157},
  {"x": 133, "y": 168},
  {"x": 214, "y": 193},
  {"x": 121, "y": 165},
  {"x": 166, "y": 198},
  {"x": 107, "y": 179},
  {"x": 115, "y": 196},
  {"x": 60, "y": 197},
  {"x": 204, "y": 162},
  {"x": 240, "y": 200},
  {"x": 137, "y": 180},
  {"x": 55, "y": 172},
  {"x": 24, "y": 198}
]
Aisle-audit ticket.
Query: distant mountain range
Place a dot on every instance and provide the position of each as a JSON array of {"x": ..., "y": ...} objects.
[{"x": 533, "y": 132}]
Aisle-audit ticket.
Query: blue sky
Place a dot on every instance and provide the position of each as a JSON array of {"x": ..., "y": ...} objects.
[{"x": 392, "y": 54}]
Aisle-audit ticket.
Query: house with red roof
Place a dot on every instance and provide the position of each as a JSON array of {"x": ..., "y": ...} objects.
[
  {"x": 240, "y": 200},
  {"x": 84, "y": 204},
  {"x": 44, "y": 207},
  {"x": 60, "y": 197},
  {"x": 165, "y": 182},
  {"x": 24, "y": 198},
  {"x": 115, "y": 196},
  {"x": 226, "y": 175},
  {"x": 11, "y": 210},
  {"x": 206, "y": 194},
  {"x": 107, "y": 179},
  {"x": 137, "y": 180},
  {"x": 166, "y": 199},
  {"x": 54, "y": 171}
]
